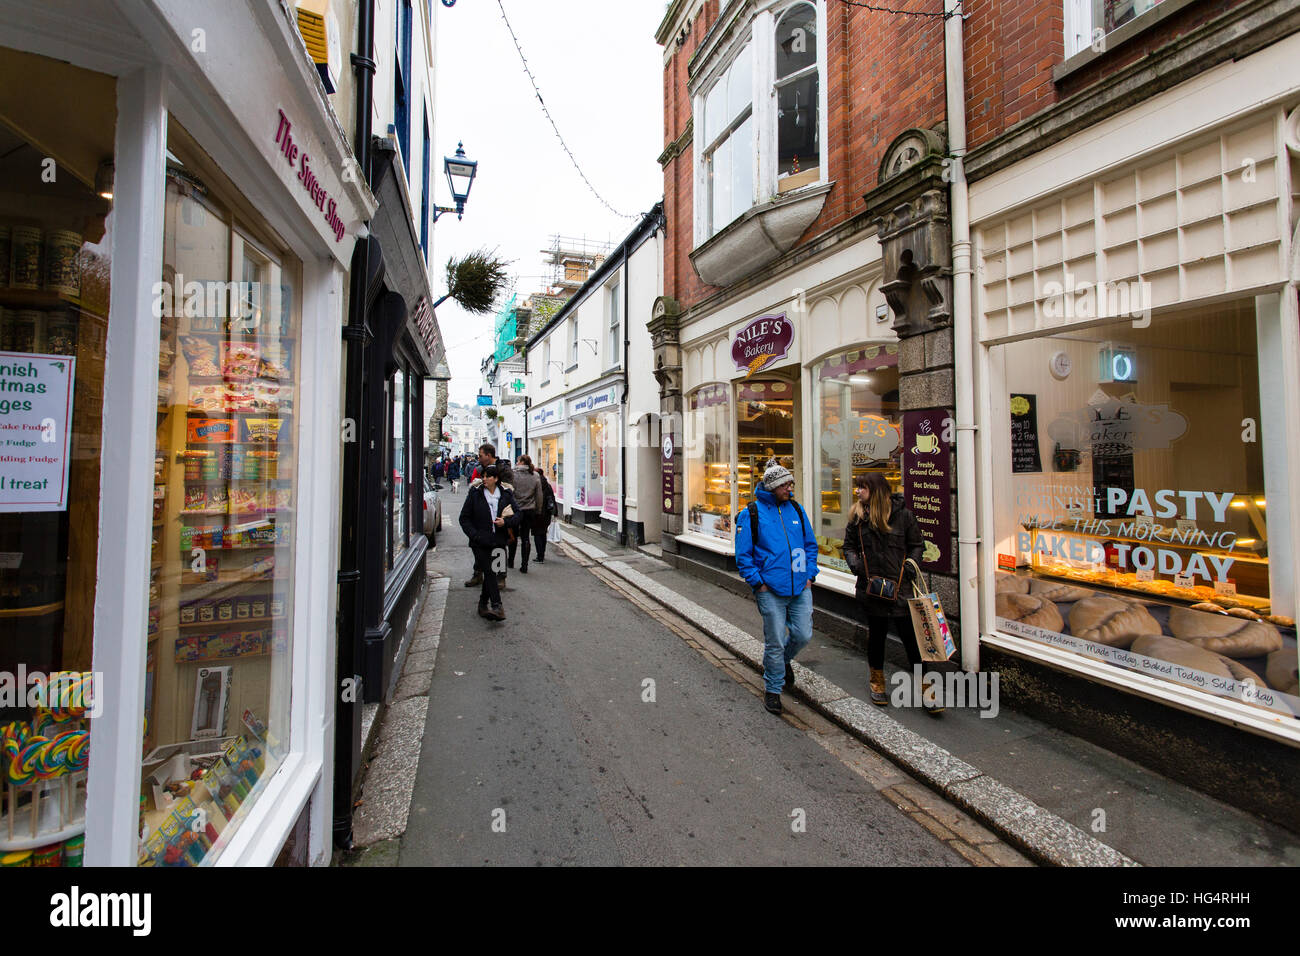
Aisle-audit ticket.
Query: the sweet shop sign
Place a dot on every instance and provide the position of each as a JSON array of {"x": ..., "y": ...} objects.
[{"x": 306, "y": 177}]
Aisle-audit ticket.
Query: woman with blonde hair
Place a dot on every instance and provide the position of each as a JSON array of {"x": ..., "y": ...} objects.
[{"x": 881, "y": 536}]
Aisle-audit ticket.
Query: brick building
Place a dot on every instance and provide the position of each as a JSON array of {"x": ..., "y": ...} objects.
[{"x": 1037, "y": 265}]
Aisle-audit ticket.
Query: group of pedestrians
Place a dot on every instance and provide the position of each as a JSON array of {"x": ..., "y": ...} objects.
[
  {"x": 776, "y": 554},
  {"x": 505, "y": 507}
]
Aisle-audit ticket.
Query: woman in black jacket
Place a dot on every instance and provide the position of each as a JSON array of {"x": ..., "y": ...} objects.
[
  {"x": 882, "y": 534},
  {"x": 487, "y": 518},
  {"x": 542, "y": 519}
]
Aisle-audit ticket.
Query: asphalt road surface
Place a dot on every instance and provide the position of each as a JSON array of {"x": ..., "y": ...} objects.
[{"x": 542, "y": 747}]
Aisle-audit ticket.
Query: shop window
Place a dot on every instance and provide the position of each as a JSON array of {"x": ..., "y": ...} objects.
[
  {"x": 546, "y": 457},
  {"x": 56, "y": 237},
  {"x": 582, "y": 442},
  {"x": 595, "y": 477},
  {"x": 764, "y": 432},
  {"x": 1132, "y": 494},
  {"x": 708, "y": 462},
  {"x": 218, "y": 663},
  {"x": 858, "y": 426},
  {"x": 397, "y": 485},
  {"x": 1088, "y": 22},
  {"x": 609, "y": 461},
  {"x": 756, "y": 148}
]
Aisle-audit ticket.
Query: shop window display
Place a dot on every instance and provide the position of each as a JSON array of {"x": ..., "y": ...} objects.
[
  {"x": 547, "y": 457},
  {"x": 708, "y": 462},
  {"x": 216, "y": 710},
  {"x": 595, "y": 465},
  {"x": 397, "y": 491},
  {"x": 609, "y": 465},
  {"x": 55, "y": 242},
  {"x": 764, "y": 432},
  {"x": 858, "y": 426},
  {"x": 1132, "y": 506}
]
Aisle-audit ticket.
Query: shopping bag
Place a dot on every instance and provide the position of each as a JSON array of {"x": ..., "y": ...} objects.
[
  {"x": 933, "y": 636},
  {"x": 553, "y": 532}
]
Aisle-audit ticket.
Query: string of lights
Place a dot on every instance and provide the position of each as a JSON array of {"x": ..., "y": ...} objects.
[
  {"x": 925, "y": 14},
  {"x": 573, "y": 159}
]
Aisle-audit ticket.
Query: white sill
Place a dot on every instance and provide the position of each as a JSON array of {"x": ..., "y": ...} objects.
[
  {"x": 1225, "y": 711},
  {"x": 841, "y": 582},
  {"x": 262, "y": 832},
  {"x": 1118, "y": 36},
  {"x": 707, "y": 542}
]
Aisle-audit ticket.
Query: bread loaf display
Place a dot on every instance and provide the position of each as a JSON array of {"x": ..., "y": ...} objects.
[
  {"x": 1189, "y": 655},
  {"x": 1011, "y": 584},
  {"x": 1031, "y": 610},
  {"x": 1224, "y": 634},
  {"x": 1111, "y": 621}
]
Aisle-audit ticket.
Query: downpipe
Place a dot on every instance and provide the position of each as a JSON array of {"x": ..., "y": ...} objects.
[{"x": 963, "y": 340}]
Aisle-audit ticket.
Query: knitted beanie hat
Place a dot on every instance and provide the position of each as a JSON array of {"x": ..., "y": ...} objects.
[{"x": 775, "y": 477}]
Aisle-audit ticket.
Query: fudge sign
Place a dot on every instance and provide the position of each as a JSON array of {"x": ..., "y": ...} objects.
[{"x": 762, "y": 342}]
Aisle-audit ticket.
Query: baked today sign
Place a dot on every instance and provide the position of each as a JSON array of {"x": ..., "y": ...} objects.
[{"x": 762, "y": 342}]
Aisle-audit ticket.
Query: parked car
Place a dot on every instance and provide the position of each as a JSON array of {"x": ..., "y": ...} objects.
[{"x": 432, "y": 509}]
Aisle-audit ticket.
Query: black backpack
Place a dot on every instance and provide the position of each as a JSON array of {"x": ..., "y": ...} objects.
[{"x": 752, "y": 508}]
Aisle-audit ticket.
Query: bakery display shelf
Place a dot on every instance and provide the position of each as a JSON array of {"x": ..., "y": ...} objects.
[
  {"x": 1131, "y": 588},
  {"x": 39, "y": 610},
  {"x": 201, "y": 625}
]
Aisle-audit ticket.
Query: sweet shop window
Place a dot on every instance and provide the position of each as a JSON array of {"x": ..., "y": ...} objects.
[
  {"x": 1132, "y": 505},
  {"x": 221, "y": 574}
]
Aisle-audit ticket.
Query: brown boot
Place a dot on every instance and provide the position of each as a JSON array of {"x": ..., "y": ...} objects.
[{"x": 878, "y": 695}]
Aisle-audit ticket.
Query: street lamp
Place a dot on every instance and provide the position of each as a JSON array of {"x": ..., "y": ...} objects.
[{"x": 460, "y": 177}]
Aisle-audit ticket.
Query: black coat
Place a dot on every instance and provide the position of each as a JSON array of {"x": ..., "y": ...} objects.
[
  {"x": 476, "y": 518},
  {"x": 546, "y": 507},
  {"x": 885, "y": 554}
]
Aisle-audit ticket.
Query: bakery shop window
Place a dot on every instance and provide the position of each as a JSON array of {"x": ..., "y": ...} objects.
[
  {"x": 708, "y": 462},
  {"x": 56, "y": 238},
  {"x": 858, "y": 427},
  {"x": 1132, "y": 505},
  {"x": 221, "y": 574}
]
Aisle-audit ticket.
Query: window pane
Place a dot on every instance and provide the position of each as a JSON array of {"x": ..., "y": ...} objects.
[
  {"x": 1124, "y": 477},
  {"x": 764, "y": 431},
  {"x": 856, "y": 404},
  {"x": 708, "y": 462},
  {"x": 610, "y": 462},
  {"x": 740, "y": 90},
  {"x": 54, "y": 314},
  {"x": 798, "y": 145},
  {"x": 742, "y": 169},
  {"x": 399, "y": 464},
  {"x": 217, "y": 697},
  {"x": 715, "y": 111},
  {"x": 796, "y": 40},
  {"x": 720, "y": 184},
  {"x": 1109, "y": 14}
]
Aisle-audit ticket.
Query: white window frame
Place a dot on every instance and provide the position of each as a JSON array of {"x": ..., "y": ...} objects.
[
  {"x": 573, "y": 349},
  {"x": 546, "y": 360},
  {"x": 1079, "y": 25},
  {"x": 613, "y": 322},
  {"x": 761, "y": 32}
]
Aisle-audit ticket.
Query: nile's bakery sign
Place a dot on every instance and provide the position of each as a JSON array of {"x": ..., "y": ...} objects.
[{"x": 763, "y": 342}]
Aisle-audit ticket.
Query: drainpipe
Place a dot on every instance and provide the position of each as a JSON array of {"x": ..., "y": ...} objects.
[
  {"x": 352, "y": 556},
  {"x": 963, "y": 341},
  {"x": 622, "y": 442}
]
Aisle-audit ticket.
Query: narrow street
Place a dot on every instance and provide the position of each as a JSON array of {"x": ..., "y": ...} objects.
[{"x": 543, "y": 717}]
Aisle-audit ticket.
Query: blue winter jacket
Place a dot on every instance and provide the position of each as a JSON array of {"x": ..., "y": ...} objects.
[{"x": 786, "y": 556}]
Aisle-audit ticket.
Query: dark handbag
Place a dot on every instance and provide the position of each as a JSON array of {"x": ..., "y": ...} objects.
[{"x": 877, "y": 587}]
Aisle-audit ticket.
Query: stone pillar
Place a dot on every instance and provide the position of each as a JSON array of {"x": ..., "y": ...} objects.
[
  {"x": 910, "y": 208},
  {"x": 664, "y": 329}
]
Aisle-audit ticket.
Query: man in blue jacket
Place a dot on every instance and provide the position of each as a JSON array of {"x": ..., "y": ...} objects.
[{"x": 780, "y": 564}]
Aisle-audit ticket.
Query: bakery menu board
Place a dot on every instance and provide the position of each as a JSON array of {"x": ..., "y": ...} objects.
[
  {"x": 35, "y": 444},
  {"x": 1024, "y": 435},
  {"x": 927, "y": 482}
]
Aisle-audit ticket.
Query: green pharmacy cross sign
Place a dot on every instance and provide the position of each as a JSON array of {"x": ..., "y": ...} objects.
[{"x": 517, "y": 385}]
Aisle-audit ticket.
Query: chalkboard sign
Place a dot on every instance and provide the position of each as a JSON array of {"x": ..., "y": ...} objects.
[{"x": 1024, "y": 434}]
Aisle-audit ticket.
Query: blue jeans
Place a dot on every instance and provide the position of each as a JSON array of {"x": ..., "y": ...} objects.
[{"x": 787, "y": 629}]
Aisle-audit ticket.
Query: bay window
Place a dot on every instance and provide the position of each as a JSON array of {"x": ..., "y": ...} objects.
[{"x": 759, "y": 117}]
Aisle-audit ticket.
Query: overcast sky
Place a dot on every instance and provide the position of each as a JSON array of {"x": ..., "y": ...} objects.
[{"x": 601, "y": 74}]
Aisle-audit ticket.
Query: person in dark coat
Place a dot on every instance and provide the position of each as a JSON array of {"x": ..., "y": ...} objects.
[
  {"x": 542, "y": 520},
  {"x": 487, "y": 518},
  {"x": 487, "y": 455},
  {"x": 881, "y": 535}
]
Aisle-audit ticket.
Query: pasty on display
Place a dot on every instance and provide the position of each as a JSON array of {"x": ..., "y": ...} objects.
[
  {"x": 1178, "y": 652},
  {"x": 1031, "y": 610},
  {"x": 1111, "y": 621},
  {"x": 1222, "y": 634},
  {"x": 1281, "y": 671},
  {"x": 1058, "y": 591}
]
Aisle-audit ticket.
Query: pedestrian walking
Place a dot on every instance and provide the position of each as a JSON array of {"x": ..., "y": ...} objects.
[
  {"x": 528, "y": 498},
  {"x": 882, "y": 534},
  {"x": 542, "y": 521},
  {"x": 487, "y": 455},
  {"x": 776, "y": 553},
  {"x": 487, "y": 518}
]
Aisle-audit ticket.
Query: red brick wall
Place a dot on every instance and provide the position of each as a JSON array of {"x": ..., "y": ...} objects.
[{"x": 885, "y": 74}]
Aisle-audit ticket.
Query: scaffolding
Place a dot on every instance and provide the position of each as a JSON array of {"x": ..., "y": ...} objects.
[{"x": 572, "y": 260}]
